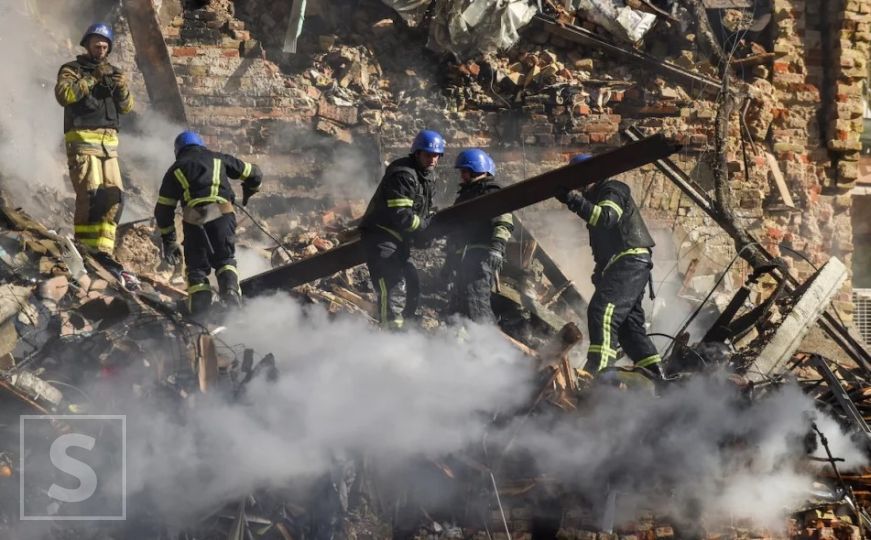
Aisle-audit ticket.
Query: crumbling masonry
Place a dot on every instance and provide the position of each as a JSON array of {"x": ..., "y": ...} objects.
[{"x": 793, "y": 149}]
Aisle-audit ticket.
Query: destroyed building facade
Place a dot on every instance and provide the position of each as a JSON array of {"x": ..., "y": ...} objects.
[
  {"x": 324, "y": 119},
  {"x": 323, "y": 95}
]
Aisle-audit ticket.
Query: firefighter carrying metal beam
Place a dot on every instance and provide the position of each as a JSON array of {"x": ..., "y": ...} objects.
[
  {"x": 94, "y": 95},
  {"x": 621, "y": 247},
  {"x": 400, "y": 210},
  {"x": 475, "y": 251},
  {"x": 199, "y": 181}
]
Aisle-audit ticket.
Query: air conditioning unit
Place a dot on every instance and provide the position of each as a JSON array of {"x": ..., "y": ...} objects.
[{"x": 862, "y": 313}]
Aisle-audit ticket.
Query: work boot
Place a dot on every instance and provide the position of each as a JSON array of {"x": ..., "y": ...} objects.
[
  {"x": 657, "y": 371},
  {"x": 231, "y": 299},
  {"x": 228, "y": 282},
  {"x": 199, "y": 302}
]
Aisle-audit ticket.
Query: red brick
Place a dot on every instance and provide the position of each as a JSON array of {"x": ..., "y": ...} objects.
[
  {"x": 781, "y": 67},
  {"x": 230, "y": 53},
  {"x": 184, "y": 51},
  {"x": 598, "y": 137},
  {"x": 582, "y": 109},
  {"x": 338, "y": 113}
]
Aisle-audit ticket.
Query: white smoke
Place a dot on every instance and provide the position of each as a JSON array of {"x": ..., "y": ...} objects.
[
  {"x": 350, "y": 175},
  {"x": 700, "y": 452},
  {"x": 31, "y": 121},
  {"x": 346, "y": 388},
  {"x": 145, "y": 155},
  {"x": 251, "y": 261}
]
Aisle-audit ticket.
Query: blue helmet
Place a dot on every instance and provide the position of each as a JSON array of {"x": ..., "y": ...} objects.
[
  {"x": 579, "y": 158},
  {"x": 99, "y": 29},
  {"x": 187, "y": 138},
  {"x": 477, "y": 161},
  {"x": 429, "y": 141}
]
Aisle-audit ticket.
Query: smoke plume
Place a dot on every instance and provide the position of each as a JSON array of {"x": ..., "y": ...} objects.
[
  {"x": 700, "y": 452},
  {"x": 31, "y": 122}
]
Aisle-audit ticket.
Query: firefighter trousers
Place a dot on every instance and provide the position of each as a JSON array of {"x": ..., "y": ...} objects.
[
  {"x": 96, "y": 180},
  {"x": 471, "y": 295},
  {"x": 206, "y": 247},
  {"x": 394, "y": 279},
  {"x": 615, "y": 315}
]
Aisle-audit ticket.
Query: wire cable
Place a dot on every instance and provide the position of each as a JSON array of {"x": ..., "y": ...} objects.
[
  {"x": 711, "y": 292},
  {"x": 262, "y": 228}
]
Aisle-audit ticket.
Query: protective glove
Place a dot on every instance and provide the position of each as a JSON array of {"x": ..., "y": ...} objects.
[
  {"x": 563, "y": 194},
  {"x": 572, "y": 199},
  {"x": 494, "y": 260},
  {"x": 119, "y": 79},
  {"x": 90, "y": 81},
  {"x": 171, "y": 251},
  {"x": 104, "y": 70},
  {"x": 247, "y": 192},
  {"x": 425, "y": 221}
]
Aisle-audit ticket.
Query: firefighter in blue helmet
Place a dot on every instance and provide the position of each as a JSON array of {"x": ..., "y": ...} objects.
[
  {"x": 621, "y": 247},
  {"x": 400, "y": 211},
  {"x": 475, "y": 252},
  {"x": 94, "y": 95},
  {"x": 199, "y": 181}
]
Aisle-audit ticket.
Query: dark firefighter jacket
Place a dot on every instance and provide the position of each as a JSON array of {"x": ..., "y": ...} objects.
[
  {"x": 486, "y": 234},
  {"x": 198, "y": 177},
  {"x": 402, "y": 200},
  {"x": 614, "y": 221},
  {"x": 90, "y": 103}
]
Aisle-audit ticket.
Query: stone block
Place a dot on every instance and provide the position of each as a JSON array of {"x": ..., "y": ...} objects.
[
  {"x": 844, "y": 145},
  {"x": 343, "y": 114},
  {"x": 184, "y": 51},
  {"x": 334, "y": 130}
]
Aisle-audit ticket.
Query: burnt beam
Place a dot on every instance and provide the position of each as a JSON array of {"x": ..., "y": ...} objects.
[
  {"x": 514, "y": 197},
  {"x": 153, "y": 59}
]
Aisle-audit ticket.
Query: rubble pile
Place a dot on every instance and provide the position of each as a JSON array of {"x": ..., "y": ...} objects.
[
  {"x": 67, "y": 321},
  {"x": 574, "y": 78}
]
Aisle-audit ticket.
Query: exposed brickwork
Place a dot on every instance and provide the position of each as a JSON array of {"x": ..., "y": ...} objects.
[{"x": 366, "y": 90}]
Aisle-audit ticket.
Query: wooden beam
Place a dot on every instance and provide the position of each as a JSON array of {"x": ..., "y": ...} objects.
[
  {"x": 153, "y": 59},
  {"x": 514, "y": 197}
]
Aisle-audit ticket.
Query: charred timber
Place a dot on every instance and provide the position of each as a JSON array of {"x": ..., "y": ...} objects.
[
  {"x": 153, "y": 59},
  {"x": 509, "y": 199}
]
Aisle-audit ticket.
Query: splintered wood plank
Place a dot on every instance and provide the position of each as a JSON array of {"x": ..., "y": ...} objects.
[{"x": 779, "y": 180}]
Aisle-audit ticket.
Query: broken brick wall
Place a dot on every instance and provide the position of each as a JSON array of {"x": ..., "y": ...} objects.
[{"x": 360, "y": 87}]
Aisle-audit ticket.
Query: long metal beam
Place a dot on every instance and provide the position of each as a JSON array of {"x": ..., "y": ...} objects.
[
  {"x": 840, "y": 393},
  {"x": 153, "y": 59},
  {"x": 830, "y": 325},
  {"x": 514, "y": 197}
]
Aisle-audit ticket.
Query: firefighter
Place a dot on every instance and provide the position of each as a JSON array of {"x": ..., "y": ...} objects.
[
  {"x": 400, "y": 210},
  {"x": 474, "y": 253},
  {"x": 94, "y": 95},
  {"x": 621, "y": 247},
  {"x": 199, "y": 181}
]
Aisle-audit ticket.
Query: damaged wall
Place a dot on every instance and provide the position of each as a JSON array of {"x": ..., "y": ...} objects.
[{"x": 323, "y": 120}]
